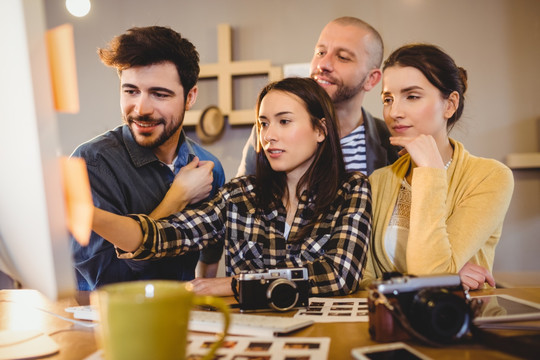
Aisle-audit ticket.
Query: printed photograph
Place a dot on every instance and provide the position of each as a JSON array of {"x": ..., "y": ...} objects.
[
  {"x": 340, "y": 308},
  {"x": 316, "y": 313},
  {"x": 343, "y": 303},
  {"x": 339, "y": 314},
  {"x": 201, "y": 356},
  {"x": 303, "y": 345},
  {"x": 259, "y": 346}
]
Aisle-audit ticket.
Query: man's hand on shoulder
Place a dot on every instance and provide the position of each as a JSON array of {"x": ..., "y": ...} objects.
[
  {"x": 196, "y": 179},
  {"x": 192, "y": 184}
]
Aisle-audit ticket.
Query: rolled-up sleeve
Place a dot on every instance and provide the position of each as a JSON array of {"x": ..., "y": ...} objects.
[{"x": 189, "y": 230}]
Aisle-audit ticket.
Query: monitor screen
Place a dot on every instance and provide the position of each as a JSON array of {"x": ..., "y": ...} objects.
[{"x": 34, "y": 240}]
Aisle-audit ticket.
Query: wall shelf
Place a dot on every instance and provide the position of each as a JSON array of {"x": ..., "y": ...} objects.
[{"x": 523, "y": 160}]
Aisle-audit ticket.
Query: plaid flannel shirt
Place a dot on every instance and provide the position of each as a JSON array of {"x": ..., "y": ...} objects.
[{"x": 334, "y": 253}]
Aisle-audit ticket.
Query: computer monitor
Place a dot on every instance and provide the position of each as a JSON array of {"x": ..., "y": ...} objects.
[{"x": 34, "y": 240}]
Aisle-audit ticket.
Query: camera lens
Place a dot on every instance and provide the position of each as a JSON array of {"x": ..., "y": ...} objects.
[
  {"x": 282, "y": 295},
  {"x": 439, "y": 315}
]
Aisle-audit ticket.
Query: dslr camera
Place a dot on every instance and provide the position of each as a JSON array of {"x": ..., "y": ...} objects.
[
  {"x": 435, "y": 309},
  {"x": 278, "y": 289}
]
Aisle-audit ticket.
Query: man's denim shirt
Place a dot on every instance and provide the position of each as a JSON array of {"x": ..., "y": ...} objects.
[{"x": 125, "y": 179}]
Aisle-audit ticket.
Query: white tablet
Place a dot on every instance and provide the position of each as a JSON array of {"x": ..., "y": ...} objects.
[
  {"x": 503, "y": 308},
  {"x": 389, "y": 351}
]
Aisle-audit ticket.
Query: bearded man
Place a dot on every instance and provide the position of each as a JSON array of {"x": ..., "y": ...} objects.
[{"x": 132, "y": 166}]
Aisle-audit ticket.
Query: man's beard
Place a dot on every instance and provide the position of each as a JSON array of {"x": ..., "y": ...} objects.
[
  {"x": 344, "y": 93},
  {"x": 169, "y": 130}
]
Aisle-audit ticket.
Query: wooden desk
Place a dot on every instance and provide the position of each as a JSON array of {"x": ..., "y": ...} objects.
[
  {"x": 18, "y": 311},
  {"x": 511, "y": 279}
]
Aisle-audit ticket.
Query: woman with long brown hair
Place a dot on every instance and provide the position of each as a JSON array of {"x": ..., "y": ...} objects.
[
  {"x": 438, "y": 208},
  {"x": 302, "y": 209}
]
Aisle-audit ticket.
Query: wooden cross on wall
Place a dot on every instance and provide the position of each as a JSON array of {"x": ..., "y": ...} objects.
[{"x": 224, "y": 70}]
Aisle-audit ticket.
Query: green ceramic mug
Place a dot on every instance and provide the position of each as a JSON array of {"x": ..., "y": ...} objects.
[{"x": 149, "y": 319}]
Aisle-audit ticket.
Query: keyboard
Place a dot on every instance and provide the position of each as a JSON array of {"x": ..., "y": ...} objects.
[
  {"x": 83, "y": 312},
  {"x": 246, "y": 324},
  {"x": 212, "y": 322}
]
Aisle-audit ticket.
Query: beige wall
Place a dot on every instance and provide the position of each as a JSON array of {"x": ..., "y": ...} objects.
[{"x": 497, "y": 41}]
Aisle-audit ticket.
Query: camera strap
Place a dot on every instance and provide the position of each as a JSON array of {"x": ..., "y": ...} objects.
[
  {"x": 395, "y": 309},
  {"x": 234, "y": 287},
  {"x": 526, "y": 346}
]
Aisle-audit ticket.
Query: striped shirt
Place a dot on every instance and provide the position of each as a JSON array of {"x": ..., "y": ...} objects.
[
  {"x": 334, "y": 252},
  {"x": 354, "y": 150}
]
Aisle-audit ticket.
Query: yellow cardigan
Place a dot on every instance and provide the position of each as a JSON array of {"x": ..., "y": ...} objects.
[{"x": 456, "y": 214}]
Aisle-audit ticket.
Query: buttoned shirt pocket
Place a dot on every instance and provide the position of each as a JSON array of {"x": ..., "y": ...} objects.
[
  {"x": 248, "y": 255},
  {"x": 312, "y": 249}
]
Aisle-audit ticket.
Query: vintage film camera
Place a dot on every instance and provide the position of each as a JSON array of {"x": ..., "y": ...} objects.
[
  {"x": 434, "y": 309},
  {"x": 278, "y": 289}
]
